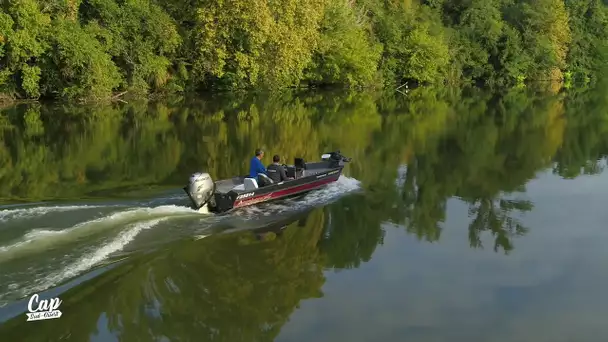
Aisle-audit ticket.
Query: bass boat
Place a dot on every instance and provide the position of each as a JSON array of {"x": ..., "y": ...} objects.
[{"x": 224, "y": 195}]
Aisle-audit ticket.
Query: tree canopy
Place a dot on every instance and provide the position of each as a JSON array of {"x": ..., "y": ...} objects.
[{"x": 90, "y": 49}]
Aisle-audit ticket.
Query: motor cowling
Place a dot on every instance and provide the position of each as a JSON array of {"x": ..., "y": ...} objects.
[
  {"x": 201, "y": 189},
  {"x": 335, "y": 157}
]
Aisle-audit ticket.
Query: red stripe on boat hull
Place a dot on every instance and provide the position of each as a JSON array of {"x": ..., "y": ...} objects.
[{"x": 286, "y": 192}]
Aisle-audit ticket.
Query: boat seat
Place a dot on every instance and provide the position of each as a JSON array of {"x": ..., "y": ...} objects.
[
  {"x": 239, "y": 187},
  {"x": 250, "y": 184},
  {"x": 264, "y": 180}
]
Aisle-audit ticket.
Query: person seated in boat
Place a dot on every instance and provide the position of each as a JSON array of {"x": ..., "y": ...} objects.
[
  {"x": 255, "y": 166},
  {"x": 276, "y": 171}
]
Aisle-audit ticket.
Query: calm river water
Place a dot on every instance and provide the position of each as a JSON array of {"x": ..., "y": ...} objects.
[{"x": 464, "y": 216}]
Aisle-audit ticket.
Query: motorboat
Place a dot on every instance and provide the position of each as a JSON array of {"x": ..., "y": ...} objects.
[{"x": 228, "y": 194}]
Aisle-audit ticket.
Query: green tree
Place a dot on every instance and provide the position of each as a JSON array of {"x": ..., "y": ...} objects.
[
  {"x": 346, "y": 54},
  {"x": 546, "y": 34},
  {"x": 256, "y": 43},
  {"x": 588, "y": 53}
]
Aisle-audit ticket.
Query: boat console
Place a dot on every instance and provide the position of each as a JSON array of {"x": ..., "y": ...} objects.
[{"x": 293, "y": 172}]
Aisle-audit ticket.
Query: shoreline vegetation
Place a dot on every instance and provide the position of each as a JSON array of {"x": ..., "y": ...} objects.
[{"x": 106, "y": 49}]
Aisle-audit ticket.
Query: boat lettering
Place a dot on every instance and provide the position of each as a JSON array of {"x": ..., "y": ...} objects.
[
  {"x": 333, "y": 172},
  {"x": 245, "y": 195},
  {"x": 321, "y": 176},
  {"x": 254, "y": 200}
]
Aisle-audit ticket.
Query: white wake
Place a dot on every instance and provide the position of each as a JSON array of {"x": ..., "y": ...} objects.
[
  {"x": 25, "y": 213},
  {"x": 39, "y": 239},
  {"x": 86, "y": 261},
  {"x": 123, "y": 227}
]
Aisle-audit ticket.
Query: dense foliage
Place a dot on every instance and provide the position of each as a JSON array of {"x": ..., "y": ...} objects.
[{"x": 93, "y": 48}]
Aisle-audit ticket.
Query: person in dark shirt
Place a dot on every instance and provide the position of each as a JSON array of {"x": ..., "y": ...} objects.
[
  {"x": 276, "y": 171},
  {"x": 255, "y": 166}
]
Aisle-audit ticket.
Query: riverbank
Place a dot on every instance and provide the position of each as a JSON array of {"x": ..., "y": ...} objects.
[{"x": 405, "y": 89}]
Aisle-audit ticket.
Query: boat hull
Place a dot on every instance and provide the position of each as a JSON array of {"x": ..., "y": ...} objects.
[
  {"x": 233, "y": 200},
  {"x": 264, "y": 195}
]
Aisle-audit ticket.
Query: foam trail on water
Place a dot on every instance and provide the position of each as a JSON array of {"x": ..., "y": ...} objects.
[
  {"x": 25, "y": 213},
  {"x": 341, "y": 186},
  {"x": 89, "y": 260},
  {"x": 35, "y": 240}
]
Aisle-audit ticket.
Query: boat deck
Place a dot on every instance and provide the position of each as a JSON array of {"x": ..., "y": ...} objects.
[{"x": 236, "y": 183}]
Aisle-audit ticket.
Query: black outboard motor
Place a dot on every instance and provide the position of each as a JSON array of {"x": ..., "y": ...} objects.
[{"x": 335, "y": 158}]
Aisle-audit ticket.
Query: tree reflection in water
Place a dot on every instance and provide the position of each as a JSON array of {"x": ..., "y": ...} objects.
[{"x": 412, "y": 155}]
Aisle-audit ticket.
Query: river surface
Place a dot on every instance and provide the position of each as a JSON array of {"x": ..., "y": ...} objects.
[{"x": 465, "y": 215}]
